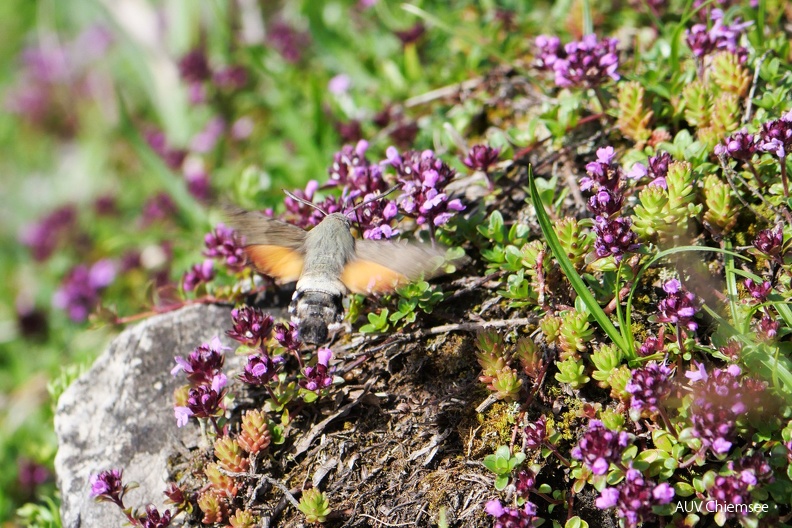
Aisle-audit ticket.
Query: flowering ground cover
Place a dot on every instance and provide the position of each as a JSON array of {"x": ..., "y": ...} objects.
[{"x": 609, "y": 344}]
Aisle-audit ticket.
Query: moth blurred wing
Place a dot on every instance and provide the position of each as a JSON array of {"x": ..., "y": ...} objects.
[
  {"x": 382, "y": 266},
  {"x": 279, "y": 262},
  {"x": 275, "y": 248}
]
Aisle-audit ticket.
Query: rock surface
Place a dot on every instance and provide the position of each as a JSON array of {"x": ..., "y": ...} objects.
[{"x": 120, "y": 415}]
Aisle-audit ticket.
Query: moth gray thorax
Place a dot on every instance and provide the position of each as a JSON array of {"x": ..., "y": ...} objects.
[{"x": 317, "y": 301}]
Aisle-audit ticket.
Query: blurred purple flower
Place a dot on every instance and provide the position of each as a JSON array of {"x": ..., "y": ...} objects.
[
  {"x": 198, "y": 274},
  {"x": 194, "y": 67},
  {"x": 172, "y": 157},
  {"x": 679, "y": 307},
  {"x": 728, "y": 490},
  {"x": 412, "y": 34},
  {"x": 759, "y": 292},
  {"x": 79, "y": 291},
  {"x": 158, "y": 207},
  {"x": 600, "y": 447},
  {"x": 339, "y": 84},
  {"x": 223, "y": 244},
  {"x": 43, "y": 236},
  {"x": 535, "y": 433},
  {"x": 207, "y": 138},
  {"x": 287, "y": 41},
  {"x": 767, "y": 328},
  {"x": 231, "y": 78},
  {"x": 481, "y": 157},
  {"x": 720, "y": 37},
  {"x": 652, "y": 345},
  {"x": 31, "y": 474},
  {"x": 585, "y": 63},
  {"x": 352, "y": 171},
  {"x": 242, "y": 128}
]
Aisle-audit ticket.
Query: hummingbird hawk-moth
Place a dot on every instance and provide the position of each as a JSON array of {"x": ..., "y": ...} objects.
[{"x": 327, "y": 263}]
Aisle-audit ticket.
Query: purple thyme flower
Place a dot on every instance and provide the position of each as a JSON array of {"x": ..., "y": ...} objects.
[
  {"x": 634, "y": 498},
  {"x": 524, "y": 483},
  {"x": 678, "y": 307},
  {"x": 720, "y": 37},
  {"x": 260, "y": 369},
  {"x": 306, "y": 216},
  {"x": 172, "y": 157},
  {"x": 535, "y": 433},
  {"x": 205, "y": 140},
  {"x": 740, "y": 146},
  {"x": 287, "y": 41},
  {"x": 230, "y": 78},
  {"x": 605, "y": 203},
  {"x": 600, "y": 447},
  {"x": 251, "y": 326},
  {"x": 79, "y": 291},
  {"x": 222, "y": 243},
  {"x": 585, "y": 63},
  {"x": 604, "y": 172},
  {"x": 108, "y": 487},
  {"x": 153, "y": 519},
  {"x": 198, "y": 274},
  {"x": 423, "y": 179},
  {"x": 758, "y": 291},
  {"x": 481, "y": 157},
  {"x": 657, "y": 170},
  {"x": 511, "y": 517},
  {"x": 202, "y": 402},
  {"x": 767, "y": 328},
  {"x": 157, "y": 207},
  {"x": 776, "y": 136},
  {"x": 649, "y": 386},
  {"x": 316, "y": 377},
  {"x": 729, "y": 490},
  {"x": 43, "y": 236},
  {"x": 652, "y": 345},
  {"x": 31, "y": 474},
  {"x": 339, "y": 84},
  {"x": 194, "y": 67},
  {"x": 614, "y": 237},
  {"x": 721, "y": 396},
  {"x": 203, "y": 364},
  {"x": 287, "y": 336},
  {"x": 770, "y": 241}
]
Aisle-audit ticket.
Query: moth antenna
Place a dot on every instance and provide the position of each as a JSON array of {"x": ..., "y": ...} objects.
[
  {"x": 375, "y": 198},
  {"x": 305, "y": 202}
]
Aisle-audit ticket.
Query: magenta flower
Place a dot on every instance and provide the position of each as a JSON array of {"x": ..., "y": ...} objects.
[
  {"x": 153, "y": 519},
  {"x": 203, "y": 364},
  {"x": 534, "y": 433},
  {"x": 223, "y": 244},
  {"x": 251, "y": 326},
  {"x": 481, "y": 157},
  {"x": 202, "y": 402},
  {"x": 657, "y": 170},
  {"x": 614, "y": 237},
  {"x": 79, "y": 292},
  {"x": 770, "y": 241},
  {"x": 634, "y": 498},
  {"x": 511, "y": 517},
  {"x": 231, "y": 78},
  {"x": 650, "y": 386},
  {"x": 720, "y": 37},
  {"x": 759, "y": 292},
  {"x": 44, "y": 236},
  {"x": 600, "y": 447},
  {"x": 740, "y": 146},
  {"x": 107, "y": 486},
  {"x": 679, "y": 307},
  {"x": 604, "y": 172},
  {"x": 316, "y": 377},
  {"x": 288, "y": 336},
  {"x": 194, "y": 67},
  {"x": 198, "y": 274},
  {"x": 586, "y": 63},
  {"x": 260, "y": 369}
]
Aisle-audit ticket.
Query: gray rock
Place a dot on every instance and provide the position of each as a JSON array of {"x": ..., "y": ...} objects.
[{"x": 120, "y": 414}]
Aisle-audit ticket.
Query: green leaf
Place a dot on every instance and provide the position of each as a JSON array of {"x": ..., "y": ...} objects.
[{"x": 569, "y": 270}]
